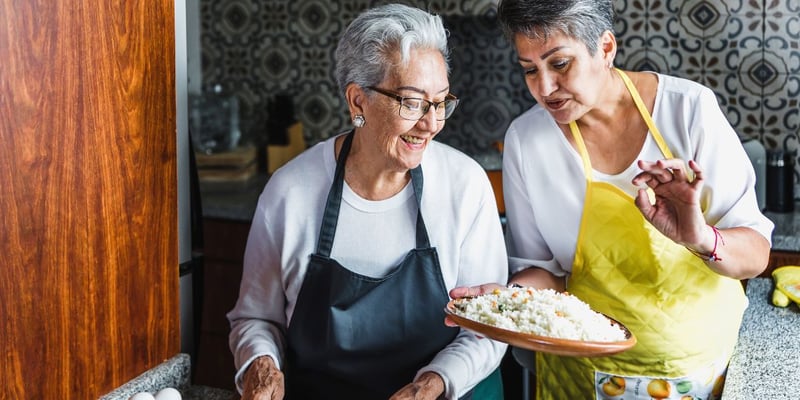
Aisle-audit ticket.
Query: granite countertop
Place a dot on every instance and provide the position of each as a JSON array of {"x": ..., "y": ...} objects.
[
  {"x": 786, "y": 236},
  {"x": 232, "y": 201},
  {"x": 765, "y": 363},
  {"x": 172, "y": 373}
]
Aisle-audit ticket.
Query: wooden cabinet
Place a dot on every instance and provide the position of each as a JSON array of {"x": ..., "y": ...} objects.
[
  {"x": 780, "y": 259},
  {"x": 496, "y": 179},
  {"x": 224, "y": 242},
  {"x": 89, "y": 276},
  {"x": 777, "y": 259}
]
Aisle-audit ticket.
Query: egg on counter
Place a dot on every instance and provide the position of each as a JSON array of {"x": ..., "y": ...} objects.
[
  {"x": 142, "y": 396},
  {"x": 163, "y": 394},
  {"x": 168, "y": 394}
]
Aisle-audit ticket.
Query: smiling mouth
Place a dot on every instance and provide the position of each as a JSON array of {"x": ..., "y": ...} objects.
[
  {"x": 412, "y": 139},
  {"x": 555, "y": 104}
]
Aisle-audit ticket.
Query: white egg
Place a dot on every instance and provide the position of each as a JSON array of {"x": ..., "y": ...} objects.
[
  {"x": 142, "y": 396},
  {"x": 168, "y": 394}
]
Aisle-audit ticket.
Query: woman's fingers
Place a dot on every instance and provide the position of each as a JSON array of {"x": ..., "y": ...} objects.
[
  {"x": 642, "y": 202},
  {"x": 697, "y": 171},
  {"x": 263, "y": 380},
  {"x": 469, "y": 291},
  {"x": 645, "y": 179},
  {"x": 659, "y": 172},
  {"x": 459, "y": 292}
]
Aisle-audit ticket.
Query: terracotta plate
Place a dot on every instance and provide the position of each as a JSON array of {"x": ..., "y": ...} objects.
[{"x": 544, "y": 344}]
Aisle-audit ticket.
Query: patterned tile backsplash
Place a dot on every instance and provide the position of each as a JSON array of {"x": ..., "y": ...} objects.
[{"x": 747, "y": 51}]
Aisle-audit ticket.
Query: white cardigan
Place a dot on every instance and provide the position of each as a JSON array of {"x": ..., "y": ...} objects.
[{"x": 460, "y": 213}]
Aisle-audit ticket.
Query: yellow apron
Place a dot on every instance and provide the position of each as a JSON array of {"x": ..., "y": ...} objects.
[{"x": 686, "y": 317}]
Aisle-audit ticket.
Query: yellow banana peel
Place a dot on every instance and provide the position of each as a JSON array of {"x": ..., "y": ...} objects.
[
  {"x": 787, "y": 285},
  {"x": 779, "y": 299}
]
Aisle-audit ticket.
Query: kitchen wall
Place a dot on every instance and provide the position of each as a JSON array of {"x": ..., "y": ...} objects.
[
  {"x": 746, "y": 50},
  {"x": 259, "y": 49}
]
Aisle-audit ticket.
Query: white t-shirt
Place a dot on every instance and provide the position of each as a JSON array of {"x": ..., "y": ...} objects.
[
  {"x": 463, "y": 224},
  {"x": 544, "y": 183}
]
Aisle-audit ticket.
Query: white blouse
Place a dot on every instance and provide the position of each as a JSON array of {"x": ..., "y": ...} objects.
[{"x": 544, "y": 183}]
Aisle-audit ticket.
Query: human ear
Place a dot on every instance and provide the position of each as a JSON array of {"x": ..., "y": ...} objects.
[
  {"x": 608, "y": 48},
  {"x": 355, "y": 97}
]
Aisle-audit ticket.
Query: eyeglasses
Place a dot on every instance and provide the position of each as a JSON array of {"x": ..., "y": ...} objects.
[{"x": 413, "y": 108}]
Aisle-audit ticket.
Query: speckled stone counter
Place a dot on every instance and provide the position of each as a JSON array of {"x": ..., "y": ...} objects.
[
  {"x": 172, "y": 373},
  {"x": 232, "y": 201},
  {"x": 786, "y": 236},
  {"x": 206, "y": 393},
  {"x": 766, "y": 363}
]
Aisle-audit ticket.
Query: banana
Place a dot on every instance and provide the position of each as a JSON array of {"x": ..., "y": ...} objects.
[
  {"x": 787, "y": 285},
  {"x": 779, "y": 299}
]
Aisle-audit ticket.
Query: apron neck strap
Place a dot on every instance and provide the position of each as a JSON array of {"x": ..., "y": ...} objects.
[
  {"x": 422, "y": 232},
  {"x": 333, "y": 204},
  {"x": 651, "y": 125}
]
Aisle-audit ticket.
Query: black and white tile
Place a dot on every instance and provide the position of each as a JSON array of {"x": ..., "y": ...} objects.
[{"x": 747, "y": 51}]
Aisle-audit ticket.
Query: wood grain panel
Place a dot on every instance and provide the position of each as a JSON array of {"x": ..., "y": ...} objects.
[
  {"x": 780, "y": 259},
  {"x": 89, "y": 274},
  {"x": 223, "y": 257}
]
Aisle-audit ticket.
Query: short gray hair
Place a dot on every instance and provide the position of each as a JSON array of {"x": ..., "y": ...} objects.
[
  {"x": 365, "y": 52},
  {"x": 584, "y": 20}
]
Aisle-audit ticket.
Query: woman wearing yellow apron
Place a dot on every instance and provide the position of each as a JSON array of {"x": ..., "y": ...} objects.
[
  {"x": 619, "y": 257},
  {"x": 633, "y": 192}
]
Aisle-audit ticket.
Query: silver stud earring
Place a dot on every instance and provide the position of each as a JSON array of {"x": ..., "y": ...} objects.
[{"x": 359, "y": 121}]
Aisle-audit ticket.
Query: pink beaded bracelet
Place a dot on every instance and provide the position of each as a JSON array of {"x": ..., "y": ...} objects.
[{"x": 713, "y": 256}]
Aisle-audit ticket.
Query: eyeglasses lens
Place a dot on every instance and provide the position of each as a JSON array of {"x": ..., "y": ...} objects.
[{"x": 414, "y": 109}]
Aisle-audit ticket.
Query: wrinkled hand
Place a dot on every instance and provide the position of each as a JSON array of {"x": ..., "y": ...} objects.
[
  {"x": 429, "y": 386},
  {"x": 676, "y": 212},
  {"x": 466, "y": 291},
  {"x": 263, "y": 380}
]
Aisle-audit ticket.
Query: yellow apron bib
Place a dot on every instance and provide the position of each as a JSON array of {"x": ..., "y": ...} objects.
[{"x": 686, "y": 317}]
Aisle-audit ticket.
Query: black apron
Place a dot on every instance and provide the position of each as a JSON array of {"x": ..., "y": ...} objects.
[{"x": 356, "y": 337}]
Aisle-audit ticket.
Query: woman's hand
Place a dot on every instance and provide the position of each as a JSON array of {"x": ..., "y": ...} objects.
[
  {"x": 429, "y": 386},
  {"x": 739, "y": 252},
  {"x": 470, "y": 291},
  {"x": 676, "y": 212},
  {"x": 263, "y": 380},
  {"x": 467, "y": 291}
]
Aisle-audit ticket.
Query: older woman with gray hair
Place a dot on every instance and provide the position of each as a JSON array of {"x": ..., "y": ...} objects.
[
  {"x": 349, "y": 263},
  {"x": 630, "y": 190}
]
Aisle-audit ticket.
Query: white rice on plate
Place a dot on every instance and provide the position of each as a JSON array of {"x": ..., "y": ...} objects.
[{"x": 541, "y": 312}]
